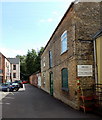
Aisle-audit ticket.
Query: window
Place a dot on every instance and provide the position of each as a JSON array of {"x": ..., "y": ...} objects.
[
  {"x": 44, "y": 78},
  {"x": 14, "y": 75},
  {"x": 1, "y": 71},
  {"x": 6, "y": 64},
  {"x": 50, "y": 59},
  {"x": 64, "y": 73},
  {"x": 14, "y": 67},
  {"x": 44, "y": 62},
  {"x": 0, "y": 62},
  {"x": 64, "y": 42}
]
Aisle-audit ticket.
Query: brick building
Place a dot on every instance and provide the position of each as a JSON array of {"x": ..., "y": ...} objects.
[
  {"x": 2, "y": 58},
  {"x": 4, "y": 69},
  {"x": 9, "y": 69},
  {"x": 68, "y": 61},
  {"x": 35, "y": 79}
]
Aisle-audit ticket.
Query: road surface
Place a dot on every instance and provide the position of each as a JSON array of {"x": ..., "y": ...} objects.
[{"x": 32, "y": 102}]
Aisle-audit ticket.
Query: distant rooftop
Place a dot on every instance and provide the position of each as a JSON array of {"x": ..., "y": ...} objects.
[{"x": 14, "y": 60}]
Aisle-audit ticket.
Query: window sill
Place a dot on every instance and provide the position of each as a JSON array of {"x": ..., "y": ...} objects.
[{"x": 65, "y": 89}]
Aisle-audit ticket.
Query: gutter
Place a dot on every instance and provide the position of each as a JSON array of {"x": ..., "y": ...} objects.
[{"x": 96, "y": 76}]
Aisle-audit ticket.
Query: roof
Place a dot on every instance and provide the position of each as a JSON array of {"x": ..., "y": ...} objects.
[
  {"x": 74, "y": 2},
  {"x": 4, "y": 56},
  {"x": 59, "y": 23},
  {"x": 14, "y": 60},
  {"x": 99, "y": 33}
]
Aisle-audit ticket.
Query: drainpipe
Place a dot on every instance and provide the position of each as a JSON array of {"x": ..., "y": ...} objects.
[{"x": 96, "y": 78}]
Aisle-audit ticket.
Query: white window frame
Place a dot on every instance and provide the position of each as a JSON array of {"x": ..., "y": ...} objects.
[
  {"x": 64, "y": 40},
  {"x": 44, "y": 62}
]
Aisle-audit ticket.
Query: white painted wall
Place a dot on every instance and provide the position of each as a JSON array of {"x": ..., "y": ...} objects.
[
  {"x": 7, "y": 70},
  {"x": 17, "y": 71},
  {"x": 39, "y": 80}
]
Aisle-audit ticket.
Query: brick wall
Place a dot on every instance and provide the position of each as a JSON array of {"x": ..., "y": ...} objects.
[
  {"x": 34, "y": 79},
  {"x": 3, "y": 67},
  {"x": 81, "y": 21}
]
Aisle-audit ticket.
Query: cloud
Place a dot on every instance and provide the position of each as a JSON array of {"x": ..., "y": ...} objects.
[
  {"x": 8, "y": 52},
  {"x": 46, "y": 20},
  {"x": 55, "y": 13},
  {"x": 50, "y": 20}
]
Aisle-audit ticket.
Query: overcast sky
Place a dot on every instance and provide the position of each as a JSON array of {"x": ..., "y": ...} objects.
[{"x": 28, "y": 25}]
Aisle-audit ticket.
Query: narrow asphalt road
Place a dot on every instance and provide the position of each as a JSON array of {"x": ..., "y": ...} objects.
[{"x": 35, "y": 103}]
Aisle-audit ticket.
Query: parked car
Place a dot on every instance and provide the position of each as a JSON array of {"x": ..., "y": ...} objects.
[
  {"x": 7, "y": 87},
  {"x": 20, "y": 83},
  {"x": 16, "y": 86},
  {"x": 24, "y": 81},
  {"x": 0, "y": 87}
]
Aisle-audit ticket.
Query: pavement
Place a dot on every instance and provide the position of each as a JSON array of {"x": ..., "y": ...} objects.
[{"x": 32, "y": 102}]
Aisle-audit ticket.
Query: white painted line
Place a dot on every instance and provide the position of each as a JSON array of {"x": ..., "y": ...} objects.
[
  {"x": 7, "y": 103},
  {"x": 3, "y": 94},
  {"x": 9, "y": 97},
  {"x": 11, "y": 93}
]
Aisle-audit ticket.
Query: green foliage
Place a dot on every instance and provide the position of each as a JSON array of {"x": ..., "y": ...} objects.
[{"x": 30, "y": 63}]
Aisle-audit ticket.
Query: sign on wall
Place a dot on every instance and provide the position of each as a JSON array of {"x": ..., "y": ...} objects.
[{"x": 84, "y": 70}]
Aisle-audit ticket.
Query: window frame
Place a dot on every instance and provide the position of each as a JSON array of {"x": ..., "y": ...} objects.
[
  {"x": 1, "y": 71},
  {"x": 14, "y": 75},
  {"x": 14, "y": 68},
  {"x": 64, "y": 82},
  {"x": 64, "y": 40},
  {"x": 50, "y": 59},
  {"x": 44, "y": 82},
  {"x": 44, "y": 62}
]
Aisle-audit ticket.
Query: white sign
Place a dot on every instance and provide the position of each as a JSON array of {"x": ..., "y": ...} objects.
[{"x": 84, "y": 70}]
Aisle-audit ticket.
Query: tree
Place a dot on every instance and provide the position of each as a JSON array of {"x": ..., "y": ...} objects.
[
  {"x": 30, "y": 63},
  {"x": 38, "y": 60}
]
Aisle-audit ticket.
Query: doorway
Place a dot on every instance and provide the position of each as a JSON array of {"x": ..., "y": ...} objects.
[{"x": 51, "y": 83}]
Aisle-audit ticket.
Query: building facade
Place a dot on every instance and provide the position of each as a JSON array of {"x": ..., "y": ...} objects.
[
  {"x": 68, "y": 60},
  {"x": 4, "y": 69},
  {"x": 35, "y": 79},
  {"x": 2, "y": 58},
  {"x": 15, "y": 68}
]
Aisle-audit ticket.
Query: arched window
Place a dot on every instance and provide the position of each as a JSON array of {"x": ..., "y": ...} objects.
[{"x": 64, "y": 74}]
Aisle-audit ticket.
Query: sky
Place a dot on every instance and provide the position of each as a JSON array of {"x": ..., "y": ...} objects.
[{"x": 26, "y": 25}]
